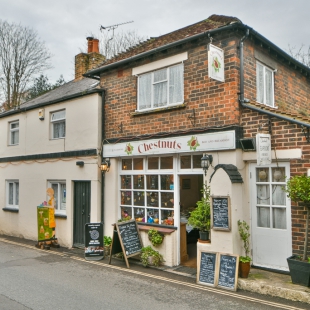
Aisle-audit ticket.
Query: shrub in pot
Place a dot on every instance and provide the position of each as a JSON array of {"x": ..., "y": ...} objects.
[
  {"x": 155, "y": 237},
  {"x": 150, "y": 257},
  {"x": 200, "y": 217},
  {"x": 244, "y": 261},
  {"x": 107, "y": 241},
  {"x": 298, "y": 189}
]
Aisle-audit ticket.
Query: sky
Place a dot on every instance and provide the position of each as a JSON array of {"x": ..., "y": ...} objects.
[{"x": 64, "y": 24}]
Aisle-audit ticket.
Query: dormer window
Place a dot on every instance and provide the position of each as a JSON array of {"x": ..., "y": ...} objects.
[{"x": 161, "y": 88}]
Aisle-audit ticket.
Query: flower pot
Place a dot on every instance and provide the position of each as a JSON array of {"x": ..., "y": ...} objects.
[
  {"x": 204, "y": 235},
  {"x": 107, "y": 250},
  {"x": 244, "y": 269},
  {"x": 299, "y": 270}
]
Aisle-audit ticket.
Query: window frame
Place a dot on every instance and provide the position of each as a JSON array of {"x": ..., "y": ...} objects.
[
  {"x": 264, "y": 90},
  {"x": 15, "y": 202},
  {"x": 167, "y": 80},
  {"x": 57, "y": 121},
  {"x": 12, "y": 132},
  {"x": 59, "y": 183}
]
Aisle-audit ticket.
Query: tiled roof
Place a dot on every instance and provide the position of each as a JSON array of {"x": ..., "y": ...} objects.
[{"x": 213, "y": 22}]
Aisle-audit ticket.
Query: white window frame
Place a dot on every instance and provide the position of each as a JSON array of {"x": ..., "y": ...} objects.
[
  {"x": 14, "y": 202},
  {"x": 57, "y": 120},
  {"x": 60, "y": 208},
  {"x": 14, "y": 133},
  {"x": 264, "y": 98},
  {"x": 153, "y": 83}
]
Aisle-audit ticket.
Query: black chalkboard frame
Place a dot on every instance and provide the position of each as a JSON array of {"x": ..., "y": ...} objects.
[
  {"x": 216, "y": 268},
  {"x": 228, "y": 224},
  {"x": 236, "y": 262},
  {"x": 117, "y": 240}
]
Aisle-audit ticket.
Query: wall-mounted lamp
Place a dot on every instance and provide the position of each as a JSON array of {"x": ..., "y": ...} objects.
[
  {"x": 206, "y": 162},
  {"x": 80, "y": 163},
  {"x": 105, "y": 165}
]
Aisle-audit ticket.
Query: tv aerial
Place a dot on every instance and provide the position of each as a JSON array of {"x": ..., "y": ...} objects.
[{"x": 113, "y": 27}]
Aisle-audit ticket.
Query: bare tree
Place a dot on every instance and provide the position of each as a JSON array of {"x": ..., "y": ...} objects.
[
  {"x": 22, "y": 56},
  {"x": 112, "y": 43},
  {"x": 301, "y": 54}
]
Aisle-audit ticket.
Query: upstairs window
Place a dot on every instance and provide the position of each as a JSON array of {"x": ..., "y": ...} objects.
[
  {"x": 161, "y": 88},
  {"x": 265, "y": 84},
  {"x": 58, "y": 124},
  {"x": 14, "y": 133},
  {"x": 12, "y": 194}
]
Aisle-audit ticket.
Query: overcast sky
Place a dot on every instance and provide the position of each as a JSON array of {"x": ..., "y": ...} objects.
[{"x": 65, "y": 24}]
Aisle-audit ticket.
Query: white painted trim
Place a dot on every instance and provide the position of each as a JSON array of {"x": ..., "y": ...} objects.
[
  {"x": 160, "y": 63},
  {"x": 281, "y": 154}
]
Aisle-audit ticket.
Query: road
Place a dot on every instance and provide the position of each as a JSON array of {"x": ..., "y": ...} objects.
[{"x": 36, "y": 279}]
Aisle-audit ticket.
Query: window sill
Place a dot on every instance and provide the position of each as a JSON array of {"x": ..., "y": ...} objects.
[
  {"x": 162, "y": 229},
  {"x": 13, "y": 210},
  {"x": 179, "y": 106},
  {"x": 60, "y": 216}
]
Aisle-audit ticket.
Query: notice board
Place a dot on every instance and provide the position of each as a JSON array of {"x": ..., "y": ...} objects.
[
  {"x": 207, "y": 268},
  {"x": 220, "y": 213},
  {"x": 94, "y": 241},
  {"x": 228, "y": 271},
  {"x": 127, "y": 238}
]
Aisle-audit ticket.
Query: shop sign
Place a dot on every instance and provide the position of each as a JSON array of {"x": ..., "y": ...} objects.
[
  {"x": 94, "y": 241},
  {"x": 263, "y": 147},
  {"x": 224, "y": 140},
  {"x": 216, "y": 63}
]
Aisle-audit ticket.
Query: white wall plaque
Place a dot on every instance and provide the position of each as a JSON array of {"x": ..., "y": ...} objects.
[{"x": 263, "y": 147}]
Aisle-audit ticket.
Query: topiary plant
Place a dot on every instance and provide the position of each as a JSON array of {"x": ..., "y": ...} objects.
[{"x": 244, "y": 232}]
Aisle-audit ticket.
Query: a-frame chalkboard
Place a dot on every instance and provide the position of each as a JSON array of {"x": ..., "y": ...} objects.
[
  {"x": 126, "y": 239},
  {"x": 228, "y": 271},
  {"x": 207, "y": 268}
]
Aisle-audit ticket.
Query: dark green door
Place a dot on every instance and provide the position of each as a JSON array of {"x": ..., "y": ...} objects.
[{"x": 81, "y": 215}]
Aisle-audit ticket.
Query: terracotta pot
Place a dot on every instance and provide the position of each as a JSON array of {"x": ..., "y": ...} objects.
[{"x": 244, "y": 269}]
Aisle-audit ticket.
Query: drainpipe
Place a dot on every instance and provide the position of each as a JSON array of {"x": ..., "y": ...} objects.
[
  {"x": 102, "y": 138},
  {"x": 241, "y": 95}
]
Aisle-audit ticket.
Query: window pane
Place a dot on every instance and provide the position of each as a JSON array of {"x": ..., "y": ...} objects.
[
  {"x": 58, "y": 115},
  {"x": 138, "y": 199},
  {"x": 153, "y": 163},
  {"x": 11, "y": 191},
  {"x": 278, "y": 195},
  {"x": 126, "y": 212},
  {"x": 263, "y": 217},
  {"x": 125, "y": 182},
  {"x": 138, "y": 182},
  {"x": 160, "y": 94},
  {"x": 14, "y": 125},
  {"x": 138, "y": 164},
  {"x": 160, "y": 75},
  {"x": 55, "y": 188},
  {"x": 279, "y": 218},
  {"x": 263, "y": 194},
  {"x": 197, "y": 161},
  {"x": 63, "y": 196},
  {"x": 15, "y": 137},
  {"x": 166, "y": 182},
  {"x": 17, "y": 194},
  {"x": 167, "y": 200},
  {"x": 278, "y": 174},
  {"x": 167, "y": 217},
  {"x": 152, "y": 181},
  {"x": 166, "y": 162},
  {"x": 126, "y": 164},
  {"x": 152, "y": 199},
  {"x": 152, "y": 216},
  {"x": 262, "y": 174},
  {"x": 260, "y": 83},
  {"x": 176, "y": 84},
  {"x": 139, "y": 214},
  {"x": 145, "y": 90},
  {"x": 185, "y": 162},
  {"x": 126, "y": 198},
  {"x": 269, "y": 93},
  {"x": 59, "y": 130}
]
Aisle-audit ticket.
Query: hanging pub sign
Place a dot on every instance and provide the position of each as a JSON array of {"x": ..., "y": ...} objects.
[
  {"x": 263, "y": 147},
  {"x": 216, "y": 63},
  {"x": 94, "y": 241}
]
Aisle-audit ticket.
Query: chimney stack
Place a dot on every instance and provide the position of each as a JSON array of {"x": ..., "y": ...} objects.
[{"x": 85, "y": 62}]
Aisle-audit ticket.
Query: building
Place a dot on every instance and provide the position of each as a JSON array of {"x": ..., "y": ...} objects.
[
  {"x": 210, "y": 88},
  {"x": 54, "y": 141}
]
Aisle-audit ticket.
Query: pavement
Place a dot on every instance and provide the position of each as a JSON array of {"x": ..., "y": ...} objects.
[{"x": 259, "y": 281}]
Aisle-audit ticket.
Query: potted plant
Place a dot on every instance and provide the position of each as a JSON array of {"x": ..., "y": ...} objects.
[
  {"x": 244, "y": 261},
  {"x": 200, "y": 217},
  {"x": 298, "y": 189},
  {"x": 155, "y": 237},
  {"x": 150, "y": 257},
  {"x": 107, "y": 241}
]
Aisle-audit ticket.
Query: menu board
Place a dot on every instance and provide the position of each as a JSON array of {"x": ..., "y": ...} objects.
[
  {"x": 207, "y": 268},
  {"x": 94, "y": 241},
  {"x": 228, "y": 271},
  {"x": 221, "y": 213},
  {"x": 46, "y": 223}
]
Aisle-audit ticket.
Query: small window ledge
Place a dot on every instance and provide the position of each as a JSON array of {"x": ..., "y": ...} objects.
[
  {"x": 60, "y": 216},
  {"x": 179, "y": 106},
  {"x": 164, "y": 230},
  {"x": 13, "y": 210}
]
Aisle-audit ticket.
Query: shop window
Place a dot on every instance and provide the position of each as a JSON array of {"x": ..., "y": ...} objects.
[
  {"x": 60, "y": 194},
  {"x": 12, "y": 200},
  {"x": 161, "y": 88},
  {"x": 58, "y": 124},
  {"x": 264, "y": 84},
  {"x": 146, "y": 195},
  {"x": 14, "y": 133},
  {"x": 190, "y": 161}
]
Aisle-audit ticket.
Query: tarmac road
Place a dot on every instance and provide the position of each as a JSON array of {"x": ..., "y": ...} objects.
[{"x": 36, "y": 279}]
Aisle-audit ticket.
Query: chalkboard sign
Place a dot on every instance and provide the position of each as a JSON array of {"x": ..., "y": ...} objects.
[
  {"x": 207, "y": 268},
  {"x": 93, "y": 241},
  {"x": 220, "y": 213},
  {"x": 228, "y": 271},
  {"x": 128, "y": 238}
]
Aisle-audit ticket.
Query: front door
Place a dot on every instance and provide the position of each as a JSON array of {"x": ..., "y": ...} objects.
[
  {"x": 271, "y": 216},
  {"x": 81, "y": 214}
]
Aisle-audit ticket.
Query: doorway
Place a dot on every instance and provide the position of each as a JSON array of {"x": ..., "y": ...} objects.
[
  {"x": 190, "y": 193},
  {"x": 81, "y": 211}
]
